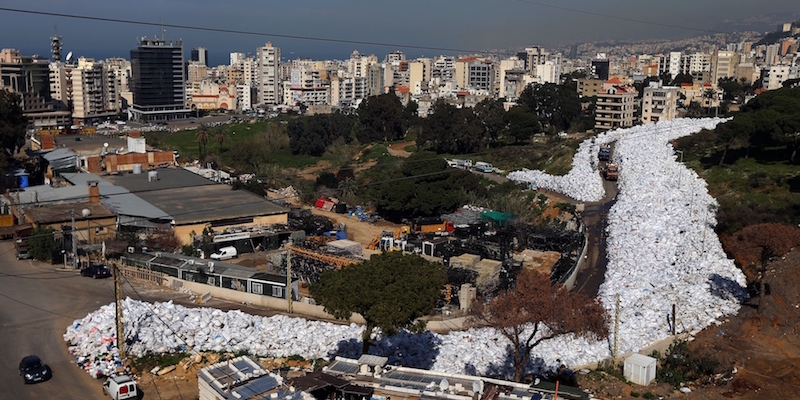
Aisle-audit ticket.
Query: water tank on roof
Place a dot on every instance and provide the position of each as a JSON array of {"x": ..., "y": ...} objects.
[
  {"x": 152, "y": 176},
  {"x": 137, "y": 168}
]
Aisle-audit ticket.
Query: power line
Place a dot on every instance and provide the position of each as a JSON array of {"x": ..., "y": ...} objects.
[{"x": 240, "y": 32}]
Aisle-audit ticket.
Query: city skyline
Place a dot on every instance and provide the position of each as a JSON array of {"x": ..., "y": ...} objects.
[{"x": 321, "y": 30}]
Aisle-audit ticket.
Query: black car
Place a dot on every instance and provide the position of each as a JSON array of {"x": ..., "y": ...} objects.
[
  {"x": 34, "y": 370},
  {"x": 96, "y": 271},
  {"x": 23, "y": 254}
]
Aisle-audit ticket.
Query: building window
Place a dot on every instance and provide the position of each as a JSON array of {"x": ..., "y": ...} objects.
[
  {"x": 277, "y": 291},
  {"x": 258, "y": 288}
]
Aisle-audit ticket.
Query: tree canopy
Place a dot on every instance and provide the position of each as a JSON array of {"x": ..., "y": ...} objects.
[
  {"x": 42, "y": 243},
  {"x": 382, "y": 118},
  {"x": 391, "y": 291},
  {"x": 556, "y": 106},
  {"x": 311, "y": 135},
  {"x": 535, "y": 311},
  {"x": 12, "y": 123},
  {"x": 421, "y": 186}
]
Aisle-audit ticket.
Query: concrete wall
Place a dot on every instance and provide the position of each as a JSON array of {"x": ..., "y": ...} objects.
[{"x": 301, "y": 308}]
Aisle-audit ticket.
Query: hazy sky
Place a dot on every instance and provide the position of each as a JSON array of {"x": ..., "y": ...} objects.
[{"x": 447, "y": 24}]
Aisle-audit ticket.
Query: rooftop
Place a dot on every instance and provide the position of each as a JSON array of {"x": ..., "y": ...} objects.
[{"x": 191, "y": 199}]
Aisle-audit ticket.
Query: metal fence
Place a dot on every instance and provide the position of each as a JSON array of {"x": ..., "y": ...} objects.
[{"x": 143, "y": 274}]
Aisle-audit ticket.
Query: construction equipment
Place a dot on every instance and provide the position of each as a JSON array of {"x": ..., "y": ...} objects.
[
  {"x": 440, "y": 227},
  {"x": 381, "y": 241},
  {"x": 332, "y": 260}
]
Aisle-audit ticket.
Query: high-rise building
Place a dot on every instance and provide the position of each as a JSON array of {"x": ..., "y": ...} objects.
[
  {"x": 269, "y": 65},
  {"x": 600, "y": 67},
  {"x": 200, "y": 54},
  {"x": 157, "y": 80}
]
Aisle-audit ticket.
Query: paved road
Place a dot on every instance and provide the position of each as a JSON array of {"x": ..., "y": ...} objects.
[
  {"x": 37, "y": 303},
  {"x": 593, "y": 270}
]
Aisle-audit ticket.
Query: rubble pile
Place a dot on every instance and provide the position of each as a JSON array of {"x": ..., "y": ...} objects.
[{"x": 662, "y": 251}]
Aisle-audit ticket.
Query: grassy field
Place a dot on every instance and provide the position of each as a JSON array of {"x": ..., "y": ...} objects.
[
  {"x": 236, "y": 135},
  {"x": 762, "y": 186}
]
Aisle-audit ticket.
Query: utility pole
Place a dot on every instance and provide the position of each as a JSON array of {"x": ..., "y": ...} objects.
[
  {"x": 74, "y": 244},
  {"x": 616, "y": 332},
  {"x": 289, "y": 278},
  {"x": 120, "y": 326}
]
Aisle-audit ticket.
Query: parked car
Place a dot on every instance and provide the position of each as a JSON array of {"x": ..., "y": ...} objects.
[
  {"x": 96, "y": 271},
  {"x": 23, "y": 254},
  {"x": 225, "y": 253},
  {"x": 34, "y": 370},
  {"x": 121, "y": 387}
]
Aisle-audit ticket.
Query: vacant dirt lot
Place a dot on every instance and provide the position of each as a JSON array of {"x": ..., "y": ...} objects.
[{"x": 763, "y": 349}]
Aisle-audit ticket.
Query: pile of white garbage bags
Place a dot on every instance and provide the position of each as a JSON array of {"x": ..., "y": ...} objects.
[{"x": 662, "y": 251}]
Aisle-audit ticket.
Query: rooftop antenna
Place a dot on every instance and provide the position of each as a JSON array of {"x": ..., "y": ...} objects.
[{"x": 55, "y": 45}]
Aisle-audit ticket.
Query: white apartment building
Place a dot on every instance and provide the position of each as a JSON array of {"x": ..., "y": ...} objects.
[
  {"x": 269, "y": 64},
  {"x": 773, "y": 76},
  {"x": 88, "y": 94},
  {"x": 659, "y": 103},
  {"x": 236, "y": 58},
  {"x": 243, "y": 99},
  {"x": 549, "y": 72},
  {"x": 671, "y": 63}
]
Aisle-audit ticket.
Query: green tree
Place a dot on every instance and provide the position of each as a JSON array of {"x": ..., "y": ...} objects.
[
  {"x": 734, "y": 134},
  {"x": 382, "y": 118},
  {"x": 391, "y": 291},
  {"x": 12, "y": 125},
  {"x": 489, "y": 114},
  {"x": 556, "y": 106},
  {"x": 520, "y": 125},
  {"x": 42, "y": 243},
  {"x": 421, "y": 186},
  {"x": 203, "y": 136},
  {"x": 219, "y": 137},
  {"x": 451, "y": 130},
  {"x": 681, "y": 78}
]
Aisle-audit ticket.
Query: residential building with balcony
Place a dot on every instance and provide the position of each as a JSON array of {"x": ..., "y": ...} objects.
[
  {"x": 269, "y": 65},
  {"x": 659, "y": 103},
  {"x": 616, "y": 106}
]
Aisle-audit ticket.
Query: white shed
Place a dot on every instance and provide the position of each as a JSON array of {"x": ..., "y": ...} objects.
[{"x": 640, "y": 369}]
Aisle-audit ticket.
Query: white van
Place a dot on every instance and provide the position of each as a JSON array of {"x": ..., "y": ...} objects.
[
  {"x": 483, "y": 167},
  {"x": 121, "y": 387},
  {"x": 225, "y": 253}
]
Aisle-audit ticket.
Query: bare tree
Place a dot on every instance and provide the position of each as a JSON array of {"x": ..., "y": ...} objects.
[{"x": 535, "y": 311}]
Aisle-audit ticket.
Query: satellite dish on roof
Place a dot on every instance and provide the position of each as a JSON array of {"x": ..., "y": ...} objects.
[
  {"x": 105, "y": 144},
  {"x": 69, "y": 56},
  {"x": 444, "y": 384},
  {"x": 86, "y": 213},
  {"x": 477, "y": 386}
]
